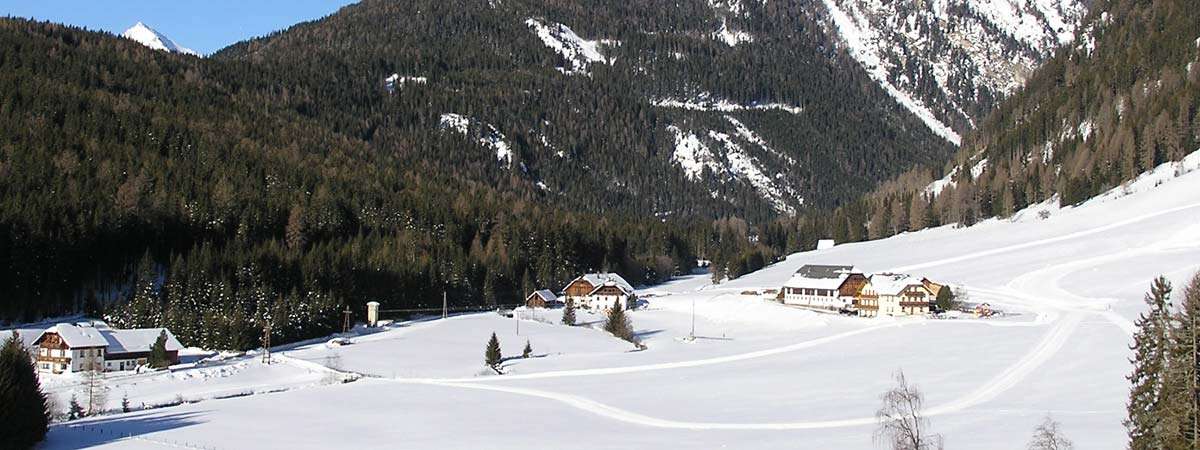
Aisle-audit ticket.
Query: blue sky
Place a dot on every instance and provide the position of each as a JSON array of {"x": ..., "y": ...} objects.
[{"x": 203, "y": 26}]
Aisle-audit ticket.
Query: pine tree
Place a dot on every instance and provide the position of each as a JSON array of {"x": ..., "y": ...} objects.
[
  {"x": 125, "y": 403},
  {"x": 75, "y": 410},
  {"x": 528, "y": 350},
  {"x": 492, "y": 356},
  {"x": 1149, "y": 346},
  {"x": 568, "y": 315},
  {"x": 1180, "y": 410},
  {"x": 158, "y": 352},
  {"x": 24, "y": 415},
  {"x": 618, "y": 323}
]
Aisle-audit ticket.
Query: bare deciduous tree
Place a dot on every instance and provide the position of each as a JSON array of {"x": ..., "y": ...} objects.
[
  {"x": 1048, "y": 436},
  {"x": 900, "y": 422}
]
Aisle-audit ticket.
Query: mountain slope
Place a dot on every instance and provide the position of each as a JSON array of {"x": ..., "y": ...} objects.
[
  {"x": 143, "y": 34},
  {"x": 583, "y": 91},
  {"x": 1121, "y": 100},
  {"x": 950, "y": 61}
]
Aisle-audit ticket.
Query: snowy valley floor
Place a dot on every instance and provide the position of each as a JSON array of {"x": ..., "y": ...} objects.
[{"x": 760, "y": 375}]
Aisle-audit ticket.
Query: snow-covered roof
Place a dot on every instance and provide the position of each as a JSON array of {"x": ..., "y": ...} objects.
[
  {"x": 893, "y": 283},
  {"x": 76, "y": 336},
  {"x": 813, "y": 276},
  {"x": 545, "y": 295},
  {"x": 98, "y": 334},
  {"x": 599, "y": 280},
  {"x": 138, "y": 340}
]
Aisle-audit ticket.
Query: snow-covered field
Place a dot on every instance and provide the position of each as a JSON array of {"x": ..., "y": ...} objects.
[{"x": 759, "y": 374}]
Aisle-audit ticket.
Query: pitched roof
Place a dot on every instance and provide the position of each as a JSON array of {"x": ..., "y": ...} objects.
[
  {"x": 598, "y": 280},
  {"x": 545, "y": 295},
  {"x": 824, "y": 271},
  {"x": 812, "y": 276},
  {"x": 138, "y": 340},
  {"x": 76, "y": 336},
  {"x": 893, "y": 283},
  {"x": 99, "y": 334}
]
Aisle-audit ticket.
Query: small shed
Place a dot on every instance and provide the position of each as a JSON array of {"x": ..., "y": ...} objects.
[{"x": 541, "y": 299}]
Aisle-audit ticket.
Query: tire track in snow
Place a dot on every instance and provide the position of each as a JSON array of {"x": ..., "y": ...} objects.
[
  {"x": 668, "y": 365},
  {"x": 1054, "y": 339},
  {"x": 1051, "y": 342},
  {"x": 1050, "y": 240}
]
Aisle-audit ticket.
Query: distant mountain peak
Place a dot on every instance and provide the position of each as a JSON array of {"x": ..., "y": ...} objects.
[{"x": 143, "y": 34}]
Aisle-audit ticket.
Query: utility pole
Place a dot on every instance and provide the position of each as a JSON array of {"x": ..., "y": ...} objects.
[
  {"x": 444, "y": 308},
  {"x": 346, "y": 320},
  {"x": 692, "y": 336},
  {"x": 267, "y": 344}
]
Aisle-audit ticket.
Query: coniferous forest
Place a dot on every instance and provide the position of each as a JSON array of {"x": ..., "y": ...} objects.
[{"x": 283, "y": 179}]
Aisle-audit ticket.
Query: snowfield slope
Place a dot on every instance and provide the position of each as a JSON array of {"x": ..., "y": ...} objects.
[{"x": 759, "y": 375}]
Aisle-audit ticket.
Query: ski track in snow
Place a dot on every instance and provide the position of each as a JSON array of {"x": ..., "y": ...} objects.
[{"x": 1063, "y": 310}]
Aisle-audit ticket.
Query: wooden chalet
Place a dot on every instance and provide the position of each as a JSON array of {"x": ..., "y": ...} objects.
[
  {"x": 598, "y": 291},
  {"x": 542, "y": 299}
]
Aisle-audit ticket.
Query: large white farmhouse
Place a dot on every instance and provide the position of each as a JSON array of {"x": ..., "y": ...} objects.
[
  {"x": 87, "y": 346},
  {"x": 823, "y": 286}
]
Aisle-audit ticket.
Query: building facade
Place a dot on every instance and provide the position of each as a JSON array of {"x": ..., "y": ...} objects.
[
  {"x": 599, "y": 291},
  {"x": 88, "y": 346},
  {"x": 901, "y": 295},
  {"x": 824, "y": 286}
]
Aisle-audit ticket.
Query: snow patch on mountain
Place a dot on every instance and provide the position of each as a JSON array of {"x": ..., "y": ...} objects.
[
  {"x": 746, "y": 167},
  {"x": 940, "y": 58},
  {"x": 750, "y": 136},
  {"x": 730, "y": 36},
  {"x": 143, "y": 34},
  {"x": 857, "y": 36},
  {"x": 578, "y": 52},
  {"x": 691, "y": 154},
  {"x": 396, "y": 81},
  {"x": 707, "y": 102},
  {"x": 488, "y": 135},
  {"x": 1037, "y": 23}
]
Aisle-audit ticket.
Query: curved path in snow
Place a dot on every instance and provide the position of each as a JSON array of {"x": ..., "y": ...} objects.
[{"x": 1061, "y": 309}]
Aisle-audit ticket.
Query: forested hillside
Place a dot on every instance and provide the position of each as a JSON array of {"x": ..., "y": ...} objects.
[
  {"x": 1121, "y": 100},
  {"x": 399, "y": 149},
  {"x": 184, "y": 187}
]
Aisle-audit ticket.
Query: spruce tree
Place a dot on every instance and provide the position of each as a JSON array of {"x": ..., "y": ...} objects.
[
  {"x": 158, "y": 352},
  {"x": 74, "y": 410},
  {"x": 1179, "y": 412},
  {"x": 568, "y": 316},
  {"x": 24, "y": 416},
  {"x": 492, "y": 356},
  {"x": 528, "y": 350},
  {"x": 618, "y": 323},
  {"x": 1149, "y": 360}
]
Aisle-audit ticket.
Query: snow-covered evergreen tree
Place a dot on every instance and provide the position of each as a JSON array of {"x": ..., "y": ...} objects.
[
  {"x": 568, "y": 315},
  {"x": 1149, "y": 362},
  {"x": 528, "y": 350},
  {"x": 618, "y": 323}
]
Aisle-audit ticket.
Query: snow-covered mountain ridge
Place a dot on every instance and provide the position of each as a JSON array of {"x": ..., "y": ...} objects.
[
  {"x": 949, "y": 61},
  {"x": 143, "y": 34}
]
